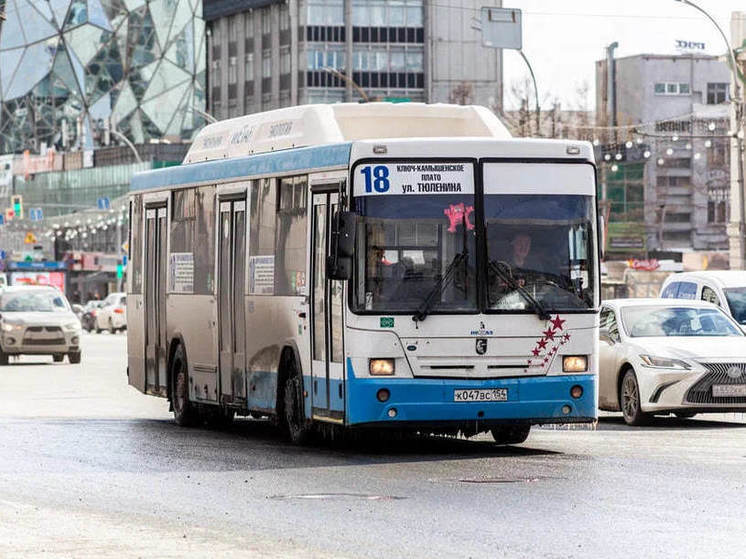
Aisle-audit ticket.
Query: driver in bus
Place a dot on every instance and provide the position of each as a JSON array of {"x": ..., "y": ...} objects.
[{"x": 521, "y": 248}]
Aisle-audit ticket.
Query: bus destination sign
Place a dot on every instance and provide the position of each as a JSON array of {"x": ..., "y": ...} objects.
[{"x": 414, "y": 178}]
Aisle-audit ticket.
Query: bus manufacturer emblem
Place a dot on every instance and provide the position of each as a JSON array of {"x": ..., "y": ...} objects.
[
  {"x": 734, "y": 372},
  {"x": 481, "y": 346}
]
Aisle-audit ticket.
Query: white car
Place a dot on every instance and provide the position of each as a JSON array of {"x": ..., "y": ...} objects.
[
  {"x": 658, "y": 356},
  {"x": 112, "y": 315},
  {"x": 725, "y": 288},
  {"x": 36, "y": 320}
]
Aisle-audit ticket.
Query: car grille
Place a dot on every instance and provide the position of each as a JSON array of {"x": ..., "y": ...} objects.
[
  {"x": 701, "y": 391},
  {"x": 43, "y": 341},
  {"x": 55, "y": 329}
]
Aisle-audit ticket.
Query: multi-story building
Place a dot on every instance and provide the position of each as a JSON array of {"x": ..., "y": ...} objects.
[
  {"x": 266, "y": 54},
  {"x": 677, "y": 105}
]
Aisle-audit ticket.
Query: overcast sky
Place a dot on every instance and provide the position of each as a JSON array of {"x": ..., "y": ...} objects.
[{"x": 563, "y": 38}]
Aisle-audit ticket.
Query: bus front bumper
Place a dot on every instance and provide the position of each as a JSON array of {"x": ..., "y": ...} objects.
[{"x": 534, "y": 400}]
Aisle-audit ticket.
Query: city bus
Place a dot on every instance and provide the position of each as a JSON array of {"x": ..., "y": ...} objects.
[{"x": 353, "y": 266}]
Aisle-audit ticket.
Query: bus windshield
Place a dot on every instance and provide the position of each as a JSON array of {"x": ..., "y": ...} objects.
[
  {"x": 542, "y": 242},
  {"x": 407, "y": 248}
]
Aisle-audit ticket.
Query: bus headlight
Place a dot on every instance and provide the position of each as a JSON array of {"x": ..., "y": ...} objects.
[
  {"x": 574, "y": 363},
  {"x": 381, "y": 367}
]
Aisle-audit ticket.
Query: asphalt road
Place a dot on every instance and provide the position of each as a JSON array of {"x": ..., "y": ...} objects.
[{"x": 91, "y": 468}]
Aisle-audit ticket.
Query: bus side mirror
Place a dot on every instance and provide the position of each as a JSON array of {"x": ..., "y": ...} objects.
[{"x": 342, "y": 246}]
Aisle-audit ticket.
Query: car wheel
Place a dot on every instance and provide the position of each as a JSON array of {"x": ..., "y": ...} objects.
[
  {"x": 58, "y": 357},
  {"x": 510, "y": 434},
  {"x": 98, "y": 330},
  {"x": 629, "y": 398},
  {"x": 185, "y": 413},
  {"x": 111, "y": 328},
  {"x": 294, "y": 417},
  {"x": 74, "y": 357},
  {"x": 3, "y": 358}
]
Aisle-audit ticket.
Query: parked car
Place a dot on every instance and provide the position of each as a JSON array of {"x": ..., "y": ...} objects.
[
  {"x": 88, "y": 319},
  {"x": 38, "y": 320},
  {"x": 112, "y": 315},
  {"x": 77, "y": 309},
  {"x": 658, "y": 356},
  {"x": 725, "y": 288}
]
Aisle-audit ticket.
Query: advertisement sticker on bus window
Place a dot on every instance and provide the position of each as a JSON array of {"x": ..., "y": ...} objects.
[
  {"x": 261, "y": 275},
  {"x": 412, "y": 179},
  {"x": 182, "y": 273}
]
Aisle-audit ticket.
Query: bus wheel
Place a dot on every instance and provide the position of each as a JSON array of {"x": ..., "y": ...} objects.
[
  {"x": 294, "y": 418},
  {"x": 184, "y": 412},
  {"x": 510, "y": 434}
]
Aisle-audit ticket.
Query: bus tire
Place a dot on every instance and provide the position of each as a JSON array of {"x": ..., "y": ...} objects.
[
  {"x": 510, "y": 434},
  {"x": 294, "y": 419},
  {"x": 185, "y": 414}
]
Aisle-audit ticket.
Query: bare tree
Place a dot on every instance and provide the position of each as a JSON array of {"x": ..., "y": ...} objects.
[{"x": 462, "y": 94}]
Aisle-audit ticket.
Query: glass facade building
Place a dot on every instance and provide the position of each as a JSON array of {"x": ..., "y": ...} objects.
[{"x": 70, "y": 69}]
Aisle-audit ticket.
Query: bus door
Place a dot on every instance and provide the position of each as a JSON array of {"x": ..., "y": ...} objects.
[
  {"x": 156, "y": 253},
  {"x": 231, "y": 310},
  {"x": 326, "y": 315}
]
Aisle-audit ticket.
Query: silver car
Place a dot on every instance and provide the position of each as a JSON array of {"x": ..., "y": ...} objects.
[{"x": 38, "y": 320}]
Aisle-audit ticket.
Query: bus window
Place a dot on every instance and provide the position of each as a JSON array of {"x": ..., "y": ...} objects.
[
  {"x": 135, "y": 247},
  {"x": 290, "y": 259},
  {"x": 263, "y": 224},
  {"x": 204, "y": 250}
]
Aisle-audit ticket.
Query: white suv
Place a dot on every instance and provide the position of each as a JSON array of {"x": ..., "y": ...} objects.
[
  {"x": 112, "y": 315},
  {"x": 727, "y": 289}
]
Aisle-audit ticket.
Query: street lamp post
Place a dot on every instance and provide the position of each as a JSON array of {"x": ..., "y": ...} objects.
[
  {"x": 737, "y": 230},
  {"x": 126, "y": 140}
]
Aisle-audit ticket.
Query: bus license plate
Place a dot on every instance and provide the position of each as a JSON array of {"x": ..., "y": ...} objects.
[
  {"x": 481, "y": 395},
  {"x": 728, "y": 390}
]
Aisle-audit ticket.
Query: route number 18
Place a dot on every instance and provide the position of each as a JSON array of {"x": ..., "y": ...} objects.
[{"x": 376, "y": 178}]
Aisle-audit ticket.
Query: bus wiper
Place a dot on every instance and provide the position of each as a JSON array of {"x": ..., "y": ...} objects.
[
  {"x": 438, "y": 288},
  {"x": 513, "y": 284}
]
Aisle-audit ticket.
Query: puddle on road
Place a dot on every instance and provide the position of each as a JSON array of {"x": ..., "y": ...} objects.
[{"x": 337, "y": 497}]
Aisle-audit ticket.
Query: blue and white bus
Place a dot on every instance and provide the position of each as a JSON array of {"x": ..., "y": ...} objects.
[{"x": 374, "y": 265}]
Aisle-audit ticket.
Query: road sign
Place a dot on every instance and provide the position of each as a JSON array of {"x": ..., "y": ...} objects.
[
  {"x": 9, "y": 214},
  {"x": 2, "y": 219},
  {"x": 501, "y": 28},
  {"x": 124, "y": 260},
  {"x": 30, "y": 238},
  {"x": 35, "y": 214},
  {"x": 103, "y": 203}
]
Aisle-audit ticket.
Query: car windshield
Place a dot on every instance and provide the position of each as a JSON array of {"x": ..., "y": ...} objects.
[
  {"x": 657, "y": 321},
  {"x": 33, "y": 301},
  {"x": 416, "y": 238},
  {"x": 544, "y": 243},
  {"x": 736, "y": 297}
]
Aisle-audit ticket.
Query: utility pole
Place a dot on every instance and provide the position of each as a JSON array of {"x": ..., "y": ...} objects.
[{"x": 611, "y": 87}]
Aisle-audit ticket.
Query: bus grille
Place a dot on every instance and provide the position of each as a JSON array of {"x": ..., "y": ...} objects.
[{"x": 701, "y": 391}]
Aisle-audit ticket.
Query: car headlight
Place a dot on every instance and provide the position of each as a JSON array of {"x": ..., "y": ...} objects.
[
  {"x": 11, "y": 327},
  {"x": 665, "y": 363},
  {"x": 71, "y": 326}
]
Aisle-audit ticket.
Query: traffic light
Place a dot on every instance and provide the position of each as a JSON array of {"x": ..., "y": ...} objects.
[
  {"x": 120, "y": 271},
  {"x": 17, "y": 203}
]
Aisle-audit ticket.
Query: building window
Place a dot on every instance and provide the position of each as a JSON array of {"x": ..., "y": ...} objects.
[
  {"x": 326, "y": 12},
  {"x": 249, "y": 67},
  {"x": 717, "y": 155},
  {"x": 330, "y": 57},
  {"x": 233, "y": 28},
  {"x": 248, "y": 25},
  {"x": 672, "y": 88},
  {"x": 232, "y": 70},
  {"x": 284, "y": 18},
  {"x": 717, "y": 93},
  {"x": 718, "y": 200},
  {"x": 266, "y": 21},
  {"x": 267, "y": 64},
  {"x": 285, "y": 60}
]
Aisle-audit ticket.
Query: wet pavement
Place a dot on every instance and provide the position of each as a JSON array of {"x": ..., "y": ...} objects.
[{"x": 91, "y": 468}]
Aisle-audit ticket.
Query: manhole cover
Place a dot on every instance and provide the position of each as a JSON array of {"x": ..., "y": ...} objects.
[{"x": 338, "y": 496}]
